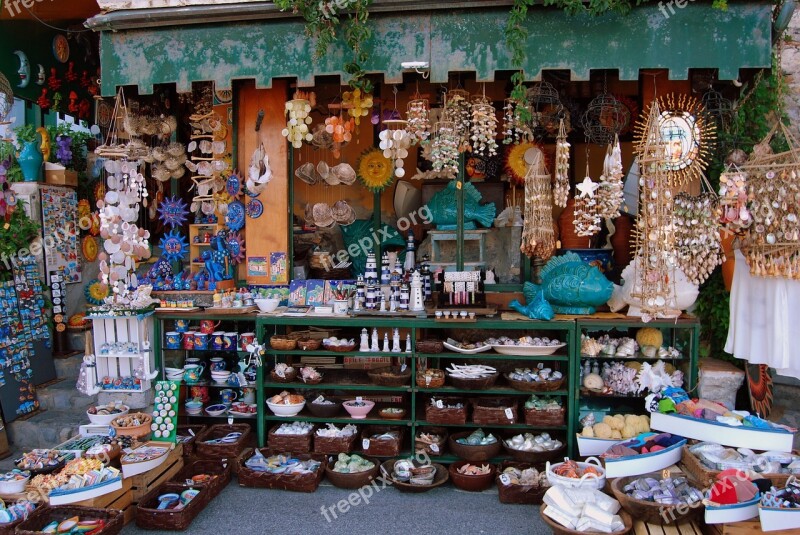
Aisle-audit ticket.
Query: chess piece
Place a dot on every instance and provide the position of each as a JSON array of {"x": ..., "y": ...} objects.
[
  {"x": 364, "y": 340},
  {"x": 408, "y": 343},
  {"x": 386, "y": 342}
]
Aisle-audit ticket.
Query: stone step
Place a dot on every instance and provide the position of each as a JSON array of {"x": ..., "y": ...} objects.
[
  {"x": 786, "y": 395},
  {"x": 63, "y": 396},
  {"x": 68, "y": 368},
  {"x": 46, "y": 429}
]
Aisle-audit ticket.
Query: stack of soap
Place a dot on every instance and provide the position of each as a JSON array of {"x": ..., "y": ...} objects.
[{"x": 583, "y": 509}]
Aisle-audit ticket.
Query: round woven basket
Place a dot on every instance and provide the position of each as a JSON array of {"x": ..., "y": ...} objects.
[
  {"x": 471, "y": 483},
  {"x": 390, "y": 376},
  {"x": 535, "y": 386},
  {"x": 341, "y": 349},
  {"x": 288, "y": 376},
  {"x": 309, "y": 344},
  {"x": 430, "y": 346},
  {"x": 535, "y": 456},
  {"x": 436, "y": 378},
  {"x": 137, "y": 431},
  {"x": 316, "y": 381},
  {"x": 352, "y": 481},
  {"x": 652, "y": 512},
  {"x": 474, "y": 384},
  {"x": 472, "y": 453},
  {"x": 282, "y": 343},
  {"x": 324, "y": 411},
  {"x": 441, "y": 477},
  {"x": 558, "y": 529},
  {"x": 420, "y": 446}
]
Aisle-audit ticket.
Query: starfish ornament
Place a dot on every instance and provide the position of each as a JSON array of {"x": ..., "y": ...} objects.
[{"x": 587, "y": 187}]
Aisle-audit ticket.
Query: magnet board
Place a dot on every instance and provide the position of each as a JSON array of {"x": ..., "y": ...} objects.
[{"x": 60, "y": 230}]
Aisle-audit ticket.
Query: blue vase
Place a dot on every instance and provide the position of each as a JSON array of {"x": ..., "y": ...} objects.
[{"x": 30, "y": 160}]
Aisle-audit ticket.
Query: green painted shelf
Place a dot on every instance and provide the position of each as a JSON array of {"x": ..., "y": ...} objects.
[
  {"x": 488, "y": 356},
  {"x": 498, "y": 390},
  {"x": 336, "y": 386},
  {"x": 325, "y": 353}
]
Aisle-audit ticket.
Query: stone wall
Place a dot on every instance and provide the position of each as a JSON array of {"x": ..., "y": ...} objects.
[{"x": 790, "y": 63}]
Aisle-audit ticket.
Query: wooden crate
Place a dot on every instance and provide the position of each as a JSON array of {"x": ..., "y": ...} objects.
[
  {"x": 689, "y": 528},
  {"x": 748, "y": 527},
  {"x": 144, "y": 483},
  {"x": 119, "y": 499}
]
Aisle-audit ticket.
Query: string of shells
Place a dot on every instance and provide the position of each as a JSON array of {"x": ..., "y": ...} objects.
[
  {"x": 444, "y": 150},
  {"x": 610, "y": 194},
  {"x": 484, "y": 129},
  {"x": 697, "y": 242},
  {"x": 587, "y": 217},
  {"x": 395, "y": 142},
  {"x": 167, "y": 162},
  {"x": 207, "y": 150},
  {"x": 733, "y": 212},
  {"x": 561, "y": 186},
  {"x": 419, "y": 121},
  {"x": 515, "y": 130},
  {"x": 458, "y": 111},
  {"x": 538, "y": 236}
]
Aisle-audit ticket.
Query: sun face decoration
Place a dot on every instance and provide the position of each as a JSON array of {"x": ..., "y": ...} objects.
[
  {"x": 173, "y": 245},
  {"x": 89, "y": 248},
  {"x": 374, "y": 170},
  {"x": 95, "y": 292},
  {"x": 518, "y": 158},
  {"x": 688, "y": 131},
  {"x": 234, "y": 242},
  {"x": 172, "y": 211}
]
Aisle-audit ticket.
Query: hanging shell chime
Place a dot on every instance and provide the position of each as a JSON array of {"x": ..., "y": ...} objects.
[
  {"x": 610, "y": 194},
  {"x": 697, "y": 242},
  {"x": 538, "y": 236},
  {"x": 587, "y": 218},
  {"x": 561, "y": 186}
]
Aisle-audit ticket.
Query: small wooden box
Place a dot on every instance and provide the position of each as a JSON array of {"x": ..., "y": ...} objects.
[{"x": 61, "y": 177}]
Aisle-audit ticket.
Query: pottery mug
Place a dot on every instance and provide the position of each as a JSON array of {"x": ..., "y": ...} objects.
[
  {"x": 230, "y": 341},
  {"x": 200, "y": 341},
  {"x": 200, "y": 392},
  {"x": 246, "y": 339},
  {"x": 188, "y": 340},
  {"x": 192, "y": 373},
  {"x": 173, "y": 340},
  {"x": 217, "y": 364},
  {"x": 181, "y": 325},
  {"x": 217, "y": 342},
  {"x": 248, "y": 395},
  {"x": 208, "y": 326},
  {"x": 228, "y": 396}
]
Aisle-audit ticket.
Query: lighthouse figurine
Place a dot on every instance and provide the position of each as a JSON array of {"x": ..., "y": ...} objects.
[
  {"x": 385, "y": 269},
  {"x": 417, "y": 301},
  {"x": 427, "y": 285},
  {"x": 371, "y": 270},
  {"x": 410, "y": 262}
]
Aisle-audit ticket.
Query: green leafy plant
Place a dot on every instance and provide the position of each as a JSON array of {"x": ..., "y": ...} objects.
[
  {"x": 25, "y": 133},
  {"x": 516, "y": 35},
  {"x": 712, "y": 309},
  {"x": 17, "y": 233}
]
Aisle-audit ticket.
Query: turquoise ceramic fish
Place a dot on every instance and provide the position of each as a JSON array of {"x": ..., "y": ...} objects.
[
  {"x": 570, "y": 285},
  {"x": 538, "y": 309},
  {"x": 444, "y": 208}
]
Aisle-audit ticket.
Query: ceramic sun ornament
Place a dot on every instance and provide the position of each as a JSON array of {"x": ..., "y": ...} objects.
[
  {"x": 172, "y": 212},
  {"x": 587, "y": 219},
  {"x": 173, "y": 245},
  {"x": 538, "y": 237},
  {"x": 375, "y": 171}
]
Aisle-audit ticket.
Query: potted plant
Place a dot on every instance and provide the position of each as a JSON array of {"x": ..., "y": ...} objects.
[
  {"x": 69, "y": 150},
  {"x": 30, "y": 156},
  {"x": 9, "y": 168}
]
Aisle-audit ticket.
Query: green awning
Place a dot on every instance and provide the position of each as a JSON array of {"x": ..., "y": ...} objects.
[{"x": 650, "y": 37}]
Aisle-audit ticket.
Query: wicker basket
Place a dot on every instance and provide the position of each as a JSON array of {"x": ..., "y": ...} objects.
[
  {"x": 536, "y": 457},
  {"x": 519, "y": 494},
  {"x": 309, "y": 334},
  {"x": 352, "y": 481},
  {"x": 288, "y": 376},
  {"x": 441, "y": 477},
  {"x": 535, "y": 386},
  {"x": 441, "y": 444},
  {"x": 452, "y": 416},
  {"x": 474, "y": 384},
  {"x": 139, "y": 431},
  {"x": 148, "y": 516},
  {"x": 316, "y": 381},
  {"x": 544, "y": 418},
  {"x": 494, "y": 411},
  {"x": 472, "y": 453},
  {"x": 652, "y": 512},
  {"x": 309, "y": 344},
  {"x": 325, "y": 411},
  {"x": 220, "y": 472},
  {"x": 222, "y": 451},
  {"x": 334, "y": 445},
  {"x": 471, "y": 483},
  {"x": 705, "y": 477},
  {"x": 42, "y": 516},
  {"x": 385, "y": 447},
  {"x": 430, "y": 346},
  {"x": 282, "y": 343},
  {"x": 289, "y": 443},
  {"x": 390, "y": 376},
  {"x": 293, "y": 482},
  {"x": 341, "y": 349},
  {"x": 558, "y": 529},
  {"x": 189, "y": 444},
  {"x": 430, "y": 378}
]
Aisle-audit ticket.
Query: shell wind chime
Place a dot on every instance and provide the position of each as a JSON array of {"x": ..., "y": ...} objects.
[
  {"x": 610, "y": 194},
  {"x": 654, "y": 226},
  {"x": 587, "y": 218},
  {"x": 458, "y": 111},
  {"x": 418, "y": 113},
  {"x": 538, "y": 237},
  {"x": 697, "y": 242},
  {"x": 561, "y": 186},
  {"x": 444, "y": 152},
  {"x": 515, "y": 130},
  {"x": 484, "y": 128}
]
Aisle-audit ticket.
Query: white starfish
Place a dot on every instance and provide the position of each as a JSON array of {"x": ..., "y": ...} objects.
[{"x": 587, "y": 187}]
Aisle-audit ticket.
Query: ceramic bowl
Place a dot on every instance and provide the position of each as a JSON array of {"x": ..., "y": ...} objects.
[
  {"x": 220, "y": 377},
  {"x": 105, "y": 419},
  {"x": 194, "y": 407},
  {"x": 267, "y": 305},
  {"x": 14, "y": 486},
  {"x": 358, "y": 412},
  {"x": 286, "y": 410},
  {"x": 216, "y": 410}
]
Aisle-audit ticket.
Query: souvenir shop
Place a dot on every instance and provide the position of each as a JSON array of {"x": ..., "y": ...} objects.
[{"x": 449, "y": 248}]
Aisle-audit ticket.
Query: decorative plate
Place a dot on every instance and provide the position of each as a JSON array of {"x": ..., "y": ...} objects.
[
  {"x": 89, "y": 248},
  {"x": 255, "y": 209},
  {"x": 235, "y": 216},
  {"x": 525, "y": 351},
  {"x": 61, "y": 48},
  {"x": 233, "y": 185},
  {"x": 467, "y": 351}
]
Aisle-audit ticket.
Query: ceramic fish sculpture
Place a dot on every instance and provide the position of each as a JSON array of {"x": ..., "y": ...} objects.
[
  {"x": 443, "y": 208},
  {"x": 570, "y": 285},
  {"x": 538, "y": 309}
]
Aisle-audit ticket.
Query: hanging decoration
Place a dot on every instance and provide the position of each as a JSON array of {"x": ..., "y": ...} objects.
[
  {"x": 561, "y": 187},
  {"x": 172, "y": 212},
  {"x": 605, "y": 117},
  {"x": 234, "y": 219},
  {"x": 234, "y": 242},
  {"x": 375, "y": 171},
  {"x": 655, "y": 255},
  {"x": 233, "y": 185},
  {"x": 173, "y": 245},
  {"x": 515, "y": 130},
  {"x": 259, "y": 172},
  {"x": 419, "y": 122},
  {"x": 610, "y": 194},
  {"x": 697, "y": 241},
  {"x": 340, "y": 131},
  {"x": 358, "y": 104},
  {"x": 95, "y": 292},
  {"x": 587, "y": 218},
  {"x": 538, "y": 236},
  {"x": 89, "y": 248},
  {"x": 297, "y": 122},
  {"x": 718, "y": 107},
  {"x": 458, "y": 111},
  {"x": 444, "y": 151},
  {"x": 254, "y": 209},
  {"x": 519, "y": 158},
  {"x": 546, "y": 109},
  {"x": 733, "y": 200},
  {"x": 772, "y": 242},
  {"x": 689, "y": 132},
  {"x": 395, "y": 142},
  {"x": 483, "y": 129}
]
